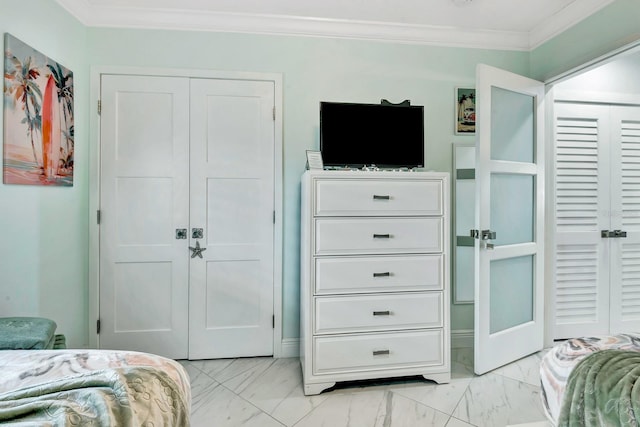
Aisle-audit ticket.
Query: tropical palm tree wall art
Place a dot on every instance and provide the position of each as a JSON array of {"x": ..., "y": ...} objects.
[{"x": 38, "y": 118}]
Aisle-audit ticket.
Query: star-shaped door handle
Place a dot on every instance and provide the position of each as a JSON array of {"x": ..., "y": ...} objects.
[{"x": 197, "y": 251}]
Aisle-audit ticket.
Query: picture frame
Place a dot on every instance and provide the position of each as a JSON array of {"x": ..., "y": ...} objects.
[
  {"x": 38, "y": 137},
  {"x": 314, "y": 160},
  {"x": 465, "y": 111}
]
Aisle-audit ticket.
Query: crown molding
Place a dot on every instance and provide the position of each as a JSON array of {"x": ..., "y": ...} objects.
[
  {"x": 190, "y": 20},
  {"x": 565, "y": 19}
]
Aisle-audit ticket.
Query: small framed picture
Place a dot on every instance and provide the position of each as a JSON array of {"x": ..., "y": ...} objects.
[
  {"x": 465, "y": 111},
  {"x": 314, "y": 160}
]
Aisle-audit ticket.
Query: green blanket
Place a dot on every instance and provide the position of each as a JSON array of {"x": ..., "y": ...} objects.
[
  {"x": 603, "y": 390},
  {"x": 26, "y": 333}
]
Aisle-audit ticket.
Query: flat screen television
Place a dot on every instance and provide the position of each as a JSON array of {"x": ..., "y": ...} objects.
[{"x": 358, "y": 135}]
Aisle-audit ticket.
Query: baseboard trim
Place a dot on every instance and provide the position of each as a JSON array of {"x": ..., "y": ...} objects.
[
  {"x": 462, "y": 338},
  {"x": 290, "y": 347}
]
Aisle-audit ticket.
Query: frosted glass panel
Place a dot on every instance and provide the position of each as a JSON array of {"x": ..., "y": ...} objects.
[
  {"x": 512, "y": 207},
  {"x": 512, "y": 126},
  {"x": 511, "y": 293}
]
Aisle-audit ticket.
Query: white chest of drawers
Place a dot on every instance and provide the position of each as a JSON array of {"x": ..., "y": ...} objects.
[{"x": 374, "y": 276}]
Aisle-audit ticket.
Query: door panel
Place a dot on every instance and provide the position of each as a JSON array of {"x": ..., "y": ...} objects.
[
  {"x": 582, "y": 199},
  {"x": 170, "y": 147},
  {"x": 144, "y": 198},
  {"x": 509, "y": 173},
  {"x": 625, "y": 216},
  {"x": 232, "y": 187}
]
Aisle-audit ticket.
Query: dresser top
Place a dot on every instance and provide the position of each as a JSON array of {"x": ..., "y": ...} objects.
[{"x": 380, "y": 174}]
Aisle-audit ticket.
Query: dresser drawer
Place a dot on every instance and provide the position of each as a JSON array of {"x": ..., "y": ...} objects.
[
  {"x": 378, "y": 274},
  {"x": 369, "y": 313},
  {"x": 368, "y": 197},
  {"x": 365, "y": 352},
  {"x": 377, "y": 235}
]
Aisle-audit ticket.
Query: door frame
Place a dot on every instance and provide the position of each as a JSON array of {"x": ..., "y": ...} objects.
[
  {"x": 94, "y": 183},
  {"x": 550, "y": 191}
]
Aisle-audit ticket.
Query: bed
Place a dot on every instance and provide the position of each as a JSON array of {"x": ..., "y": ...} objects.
[
  {"x": 593, "y": 377},
  {"x": 92, "y": 388}
]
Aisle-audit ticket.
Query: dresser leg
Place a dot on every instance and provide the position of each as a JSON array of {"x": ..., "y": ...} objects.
[
  {"x": 316, "y": 388},
  {"x": 439, "y": 378}
]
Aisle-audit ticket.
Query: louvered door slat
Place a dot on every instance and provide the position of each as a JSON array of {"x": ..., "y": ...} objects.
[
  {"x": 625, "y": 208},
  {"x": 580, "y": 302},
  {"x": 630, "y": 276}
]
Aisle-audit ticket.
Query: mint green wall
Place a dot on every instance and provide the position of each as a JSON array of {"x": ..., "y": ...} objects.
[
  {"x": 44, "y": 244},
  {"x": 317, "y": 70},
  {"x": 44, "y": 230},
  {"x": 614, "y": 26}
]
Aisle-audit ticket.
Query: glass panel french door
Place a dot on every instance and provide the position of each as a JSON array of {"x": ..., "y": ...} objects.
[{"x": 509, "y": 218}]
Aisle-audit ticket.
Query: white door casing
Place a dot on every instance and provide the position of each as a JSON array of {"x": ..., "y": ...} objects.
[
  {"x": 232, "y": 187},
  {"x": 144, "y": 198},
  {"x": 264, "y": 198},
  {"x": 509, "y": 294}
]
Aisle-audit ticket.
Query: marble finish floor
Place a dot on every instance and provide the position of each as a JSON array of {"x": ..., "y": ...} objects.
[{"x": 267, "y": 392}]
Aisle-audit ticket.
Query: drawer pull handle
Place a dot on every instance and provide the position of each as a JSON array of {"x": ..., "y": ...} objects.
[
  {"x": 380, "y": 352},
  {"x": 385, "y": 274},
  {"x": 382, "y": 236},
  {"x": 382, "y": 313},
  {"x": 378, "y": 197}
]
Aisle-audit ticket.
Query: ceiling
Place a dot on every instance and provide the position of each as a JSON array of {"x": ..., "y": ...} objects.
[{"x": 492, "y": 24}]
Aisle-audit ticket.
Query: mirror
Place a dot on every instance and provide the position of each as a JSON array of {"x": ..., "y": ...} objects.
[{"x": 464, "y": 188}]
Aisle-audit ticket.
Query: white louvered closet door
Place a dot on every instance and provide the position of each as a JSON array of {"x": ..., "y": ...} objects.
[
  {"x": 625, "y": 216},
  {"x": 597, "y": 277},
  {"x": 582, "y": 200}
]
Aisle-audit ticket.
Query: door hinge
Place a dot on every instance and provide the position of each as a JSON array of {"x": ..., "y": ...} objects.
[
  {"x": 274, "y": 114},
  {"x": 273, "y": 321},
  {"x": 98, "y": 216},
  {"x": 99, "y": 107},
  {"x": 98, "y": 326},
  {"x": 274, "y": 217}
]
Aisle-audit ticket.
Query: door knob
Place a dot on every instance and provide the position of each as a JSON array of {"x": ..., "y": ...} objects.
[
  {"x": 482, "y": 235},
  {"x": 197, "y": 233},
  {"x": 619, "y": 233},
  {"x": 613, "y": 234},
  {"x": 488, "y": 235}
]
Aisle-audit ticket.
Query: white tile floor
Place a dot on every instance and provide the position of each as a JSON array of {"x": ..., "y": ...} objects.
[{"x": 265, "y": 392}]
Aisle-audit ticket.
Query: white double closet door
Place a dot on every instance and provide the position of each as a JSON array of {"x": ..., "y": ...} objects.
[
  {"x": 187, "y": 162},
  {"x": 597, "y": 219}
]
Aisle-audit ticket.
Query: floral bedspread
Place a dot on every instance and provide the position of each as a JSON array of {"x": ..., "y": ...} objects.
[{"x": 92, "y": 388}]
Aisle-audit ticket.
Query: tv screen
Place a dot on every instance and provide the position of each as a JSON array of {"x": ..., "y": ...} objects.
[{"x": 357, "y": 135}]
